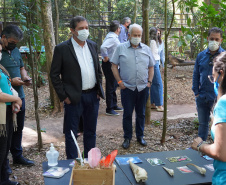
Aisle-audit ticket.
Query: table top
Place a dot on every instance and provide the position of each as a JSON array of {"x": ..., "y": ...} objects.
[
  {"x": 119, "y": 175},
  {"x": 156, "y": 174}
]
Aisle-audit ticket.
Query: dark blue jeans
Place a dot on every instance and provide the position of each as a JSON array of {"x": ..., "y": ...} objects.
[
  {"x": 130, "y": 100},
  {"x": 5, "y": 145},
  {"x": 16, "y": 148},
  {"x": 110, "y": 88},
  {"x": 87, "y": 108},
  {"x": 203, "y": 108}
]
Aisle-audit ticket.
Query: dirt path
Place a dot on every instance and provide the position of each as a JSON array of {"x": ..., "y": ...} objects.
[{"x": 106, "y": 124}]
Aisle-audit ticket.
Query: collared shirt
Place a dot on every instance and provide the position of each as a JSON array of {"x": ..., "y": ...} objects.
[
  {"x": 12, "y": 63},
  {"x": 86, "y": 64},
  {"x": 123, "y": 36},
  {"x": 109, "y": 45},
  {"x": 134, "y": 64},
  {"x": 203, "y": 67}
]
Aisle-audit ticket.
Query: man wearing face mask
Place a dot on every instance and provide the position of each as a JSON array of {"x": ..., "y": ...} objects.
[
  {"x": 135, "y": 78},
  {"x": 123, "y": 36},
  {"x": 202, "y": 87},
  {"x": 12, "y": 61},
  {"x": 77, "y": 78}
]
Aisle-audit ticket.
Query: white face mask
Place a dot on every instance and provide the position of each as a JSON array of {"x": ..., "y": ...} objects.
[
  {"x": 135, "y": 40},
  {"x": 0, "y": 56},
  {"x": 213, "y": 45},
  {"x": 83, "y": 34}
]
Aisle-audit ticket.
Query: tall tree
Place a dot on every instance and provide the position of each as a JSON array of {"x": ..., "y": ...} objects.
[
  {"x": 49, "y": 42},
  {"x": 146, "y": 7},
  {"x": 56, "y": 22},
  {"x": 167, "y": 32}
]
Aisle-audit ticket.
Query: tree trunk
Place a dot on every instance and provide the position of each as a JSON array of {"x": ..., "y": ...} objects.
[
  {"x": 146, "y": 6},
  {"x": 49, "y": 42},
  {"x": 57, "y": 22},
  {"x": 4, "y": 13},
  {"x": 34, "y": 70},
  {"x": 135, "y": 12},
  {"x": 167, "y": 32}
]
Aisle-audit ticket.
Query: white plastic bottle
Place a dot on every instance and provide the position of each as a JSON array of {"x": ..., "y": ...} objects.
[{"x": 52, "y": 156}]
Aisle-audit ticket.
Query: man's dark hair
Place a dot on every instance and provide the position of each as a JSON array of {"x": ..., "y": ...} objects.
[
  {"x": 125, "y": 19},
  {"x": 12, "y": 31},
  {"x": 75, "y": 20},
  {"x": 215, "y": 30},
  {"x": 114, "y": 25}
]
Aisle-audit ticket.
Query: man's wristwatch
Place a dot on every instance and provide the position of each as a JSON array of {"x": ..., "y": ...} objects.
[{"x": 150, "y": 82}]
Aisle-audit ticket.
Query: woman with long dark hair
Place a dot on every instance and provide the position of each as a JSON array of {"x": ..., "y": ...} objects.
[{"x": 217, "y": 150}]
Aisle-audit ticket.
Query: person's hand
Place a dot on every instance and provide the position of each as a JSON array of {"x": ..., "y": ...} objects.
[
  {"x": 15, "y": 107},
  {"x": 149, "y": 84},
  {"x": 98, "y": 97},
  {"x": 67, "y": 101},
  {"x": 196, "y": 142},
  {"x": 122, "y": 86},
  {"x": 17, "y": 81},
  {"x": 105, "y": 59},
  {"x": 27, "y": 80}
]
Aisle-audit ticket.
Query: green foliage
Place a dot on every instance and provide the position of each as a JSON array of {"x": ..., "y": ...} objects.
[
  {"x": 156, "y": 123},
  {"x": 204, "y": 17}
]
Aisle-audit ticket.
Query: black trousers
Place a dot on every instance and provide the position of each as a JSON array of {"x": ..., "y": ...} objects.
[
  {"x": 110, "y": 88},
  {"x": 5, "y": 142}
]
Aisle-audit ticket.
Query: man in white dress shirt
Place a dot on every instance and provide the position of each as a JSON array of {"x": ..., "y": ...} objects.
[{"x": 77, "y": 77}]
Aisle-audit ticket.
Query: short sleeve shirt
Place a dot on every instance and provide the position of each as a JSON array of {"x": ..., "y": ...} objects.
[
  {"x": 134, "y": 64},
  {"x": 13, "y": 62},
  {"x": 219, "y": 176}
]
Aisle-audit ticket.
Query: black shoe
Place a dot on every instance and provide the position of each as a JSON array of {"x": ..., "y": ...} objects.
[
  {"x": 126, "y": 143},
  {"x": 112, "y": 113},
  {"x": 142, "y": 141},
  {"x": 22, "y": 160},
  {"x": 9, "y": 170},
  {"x": 10, "y": 183},
  {"x": 119, "y": 109}
]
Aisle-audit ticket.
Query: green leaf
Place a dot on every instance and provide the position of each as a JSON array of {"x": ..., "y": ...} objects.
[
  {"x": 189, "y": 21},
  {"x": 175, "y": 37},
  {"x": 188, "y": 37}
]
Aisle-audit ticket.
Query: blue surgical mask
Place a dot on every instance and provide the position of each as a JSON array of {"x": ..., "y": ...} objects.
[{"x": 216, "y": 85}]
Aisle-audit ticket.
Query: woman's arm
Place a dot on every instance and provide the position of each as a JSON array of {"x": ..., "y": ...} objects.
[
  {"x": 9, "y": 98},
  {"x": 217, "y": 150}
]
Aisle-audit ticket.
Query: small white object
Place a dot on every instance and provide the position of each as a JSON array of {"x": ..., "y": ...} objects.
[
  {"x": 170, "y": 171},
  {"x": 52, "y": 156},
  {"x": 73, "y": 136},
  {"x": 139, "y": 173}
]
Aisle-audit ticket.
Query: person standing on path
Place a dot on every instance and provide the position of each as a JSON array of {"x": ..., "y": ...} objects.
[
  {"x": 201, "y": 86},
  {"x": 107, "y": 49},
  {"x": 136, "y": 73},
  {"x": 76, "y": 76},
  {"x": 13, "y": 63}
]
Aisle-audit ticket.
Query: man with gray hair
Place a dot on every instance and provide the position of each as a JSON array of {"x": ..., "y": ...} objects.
[
  {"x": 12, "y": 61},
  {"x": 123, "y": 36},
  {"x": 135, "y": 78}
]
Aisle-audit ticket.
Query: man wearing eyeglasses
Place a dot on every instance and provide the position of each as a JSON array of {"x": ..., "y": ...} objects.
[{"x": 201, "y": 86}]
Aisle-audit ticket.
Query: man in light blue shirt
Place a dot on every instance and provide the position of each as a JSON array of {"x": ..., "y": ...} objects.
[
  {"x": 107, "y": 49},
  {"x": 136, "y": 73},
  {"x": 123, "y": 36}
]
